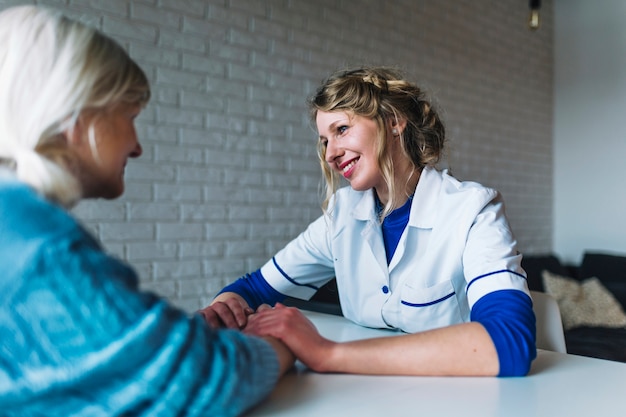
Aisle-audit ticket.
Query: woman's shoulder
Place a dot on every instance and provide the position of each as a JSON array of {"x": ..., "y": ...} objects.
[
  {"x": 451, "y": 185},
  {"x": 440, "y": 192},
  {"x": 42, "y": 238},
  {"x": 25, "y": 215}
]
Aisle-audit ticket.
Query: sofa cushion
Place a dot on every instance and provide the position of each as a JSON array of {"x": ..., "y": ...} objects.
[
  {"x": 609, "y": 269},
  {"x": 584, "y": 303}
]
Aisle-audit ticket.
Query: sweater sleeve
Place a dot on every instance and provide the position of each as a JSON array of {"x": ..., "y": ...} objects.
[
  {"x": 510, "y": 321},
  {"x": 77, "y": 328}
]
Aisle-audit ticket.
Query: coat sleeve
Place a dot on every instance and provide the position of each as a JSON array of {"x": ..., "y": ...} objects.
[{"x": 304, "y": 264}]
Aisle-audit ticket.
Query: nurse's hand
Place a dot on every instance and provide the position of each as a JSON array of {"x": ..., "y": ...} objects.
[
  {"x": 290, "y": 326},
  {"x": 228, "y": 310}
]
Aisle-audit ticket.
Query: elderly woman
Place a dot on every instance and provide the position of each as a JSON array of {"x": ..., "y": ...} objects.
[{"x": 76, "y": 335}]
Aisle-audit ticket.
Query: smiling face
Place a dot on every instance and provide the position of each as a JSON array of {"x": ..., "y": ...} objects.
[
  {"x": 102, "y": 141},
  {"x": 351, "y": 148}
]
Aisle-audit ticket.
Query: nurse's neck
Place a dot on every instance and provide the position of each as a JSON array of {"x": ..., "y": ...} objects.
[{"x": 403, "y": 191}]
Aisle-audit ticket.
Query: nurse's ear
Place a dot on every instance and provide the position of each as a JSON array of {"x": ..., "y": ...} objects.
[{"x": 395, "y": 126}]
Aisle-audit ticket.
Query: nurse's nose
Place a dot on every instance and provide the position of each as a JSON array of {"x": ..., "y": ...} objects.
[{"x": 333, "y": 151}]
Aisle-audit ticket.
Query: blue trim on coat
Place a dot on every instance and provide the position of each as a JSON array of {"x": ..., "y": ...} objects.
[
  {"x": 288, "y": 278},
  {"x": 493, "y": 273},
  {"x": 406, "y": 303}
]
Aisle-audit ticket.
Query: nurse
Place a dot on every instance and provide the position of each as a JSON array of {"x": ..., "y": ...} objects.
[{"x": 411, "y": 248}]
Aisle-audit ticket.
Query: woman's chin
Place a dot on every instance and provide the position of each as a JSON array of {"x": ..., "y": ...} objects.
[{"x": 358, "y": 187}]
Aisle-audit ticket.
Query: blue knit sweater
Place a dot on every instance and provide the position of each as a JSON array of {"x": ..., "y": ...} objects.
[{"x": 78, "y": 338}]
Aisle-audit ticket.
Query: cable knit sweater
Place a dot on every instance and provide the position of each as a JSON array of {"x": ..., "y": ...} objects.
[{"x": 77, "y": 338}]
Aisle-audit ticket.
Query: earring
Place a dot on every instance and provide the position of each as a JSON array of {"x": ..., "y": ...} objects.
[{"x": 394, "y": 131}]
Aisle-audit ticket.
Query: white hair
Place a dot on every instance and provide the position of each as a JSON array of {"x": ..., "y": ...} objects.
[{"x": 52, "y": 68}]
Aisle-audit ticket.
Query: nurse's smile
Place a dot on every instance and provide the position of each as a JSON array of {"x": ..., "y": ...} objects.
[{"x": 347, "y": 168}]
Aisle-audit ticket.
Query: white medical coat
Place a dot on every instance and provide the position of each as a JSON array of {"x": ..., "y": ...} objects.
[{"x": 456, "y": 247}]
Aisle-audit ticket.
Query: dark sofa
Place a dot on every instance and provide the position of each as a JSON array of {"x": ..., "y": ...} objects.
[
  {"x": 598, "y": 342},
  {"x": 609, "y": 269}
]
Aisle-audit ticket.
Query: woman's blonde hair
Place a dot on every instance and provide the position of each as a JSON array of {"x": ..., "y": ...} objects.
[
  {"x": 383, "y": 95},
  {"x": 51, "y": 69}
]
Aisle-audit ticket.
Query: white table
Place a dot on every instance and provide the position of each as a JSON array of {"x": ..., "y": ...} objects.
[{"x": 558, "y": 385}]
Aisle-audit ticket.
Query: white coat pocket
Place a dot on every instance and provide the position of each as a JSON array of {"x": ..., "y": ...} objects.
[{"x": 429, "y": 308}]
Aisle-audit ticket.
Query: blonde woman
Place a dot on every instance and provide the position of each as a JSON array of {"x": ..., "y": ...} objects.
[
  {"x": 76, "y": 335},
  {"x": 411, "y": 247}
]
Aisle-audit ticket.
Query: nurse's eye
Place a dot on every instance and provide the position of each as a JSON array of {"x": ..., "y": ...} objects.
[
  {"x": 342, "y": 129},
  {"x": 323, "y": 143}
]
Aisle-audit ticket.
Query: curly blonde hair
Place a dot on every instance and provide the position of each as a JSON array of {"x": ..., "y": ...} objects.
[{"x": 382, "y": 95}]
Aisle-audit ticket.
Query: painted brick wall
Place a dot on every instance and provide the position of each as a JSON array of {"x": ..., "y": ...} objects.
[{"x": 229, "y": 172}]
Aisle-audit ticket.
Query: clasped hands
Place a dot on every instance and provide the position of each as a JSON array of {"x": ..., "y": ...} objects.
[{"x": 286, "y": 324}]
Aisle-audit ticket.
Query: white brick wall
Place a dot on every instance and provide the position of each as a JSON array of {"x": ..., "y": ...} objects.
[{"x": 229, "y": 172}]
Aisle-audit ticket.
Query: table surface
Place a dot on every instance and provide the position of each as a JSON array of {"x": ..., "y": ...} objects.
[{"x": 557, "y": 385}]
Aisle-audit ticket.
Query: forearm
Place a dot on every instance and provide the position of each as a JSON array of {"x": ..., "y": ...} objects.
[
  {"x": 460, "y": 350},
  {"x": 463, "y": 349}
]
